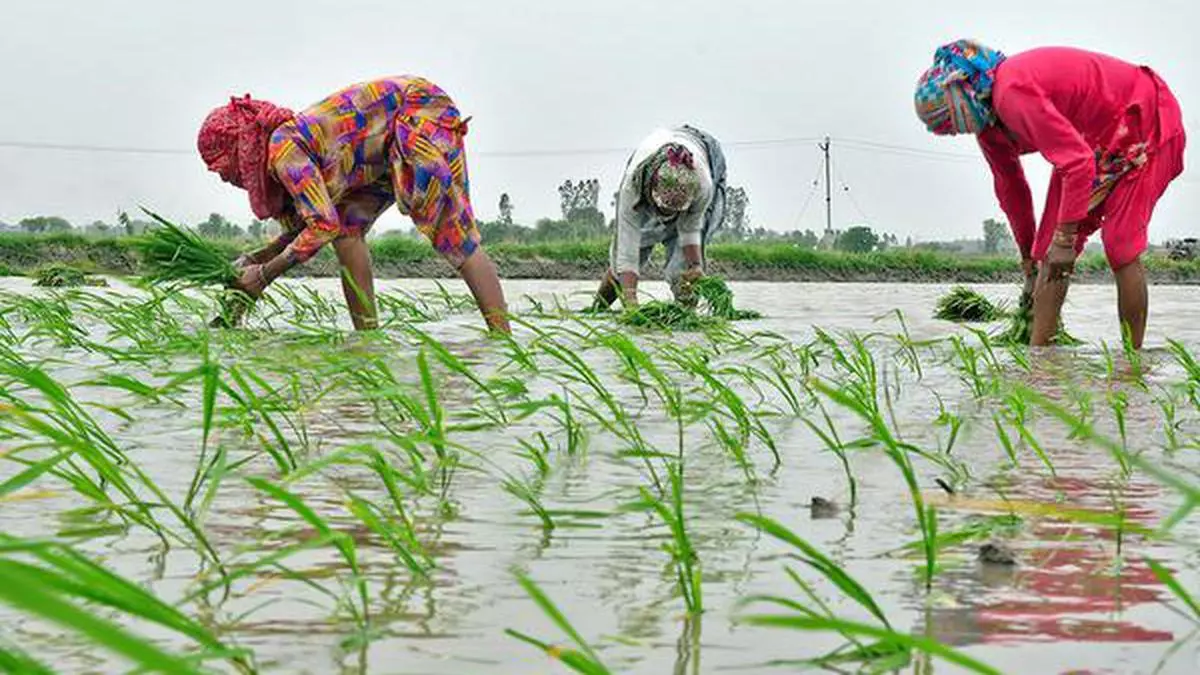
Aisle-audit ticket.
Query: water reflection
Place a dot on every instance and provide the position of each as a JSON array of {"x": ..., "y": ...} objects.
[{"x": 1082, "y": 576}]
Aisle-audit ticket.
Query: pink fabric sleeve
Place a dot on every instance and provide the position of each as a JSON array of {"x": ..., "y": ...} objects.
[
  {"x": 1012, "y": 189},
  {"x": 1032, "y": 116},
  {"x": 301, "y": 177}
]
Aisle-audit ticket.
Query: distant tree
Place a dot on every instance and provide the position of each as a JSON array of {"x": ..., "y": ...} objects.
[
  {"x": 45, "y": 225},
  {"x": 583, "y": 196},
  {"x": 123, "y": 219},
  {"x": 737, "y": 217},
  {"x": 218, "y": 227},
  {"x": 255, "y": 229},
  {"x": 99, "y": 227},
  {"x": 214, "y": 227},
  {"x": 857, "y": 239},
  {"x": 809, "y": 239},
  {"x": 908, "y": 242},
  {"x": 506, "y": 209},
  {"x": 582, "y": 218},
  {"x": 995, "y": 233}
]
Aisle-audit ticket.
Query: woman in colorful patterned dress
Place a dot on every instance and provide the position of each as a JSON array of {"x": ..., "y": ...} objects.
[
  {"x": 1114, "y": 134},
  {"x": 327, "y": 173}
]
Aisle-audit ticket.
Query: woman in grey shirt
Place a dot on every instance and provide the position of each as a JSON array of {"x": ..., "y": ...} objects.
[{"x": 672, "y": 193}]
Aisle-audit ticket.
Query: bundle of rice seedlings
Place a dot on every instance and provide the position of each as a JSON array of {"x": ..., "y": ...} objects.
[
  {"x": 716, "y": 308},
  {"x": 715, "y": 294},
  {"x": 1020, "y": 327},
  {"x": 670, "y": 316},
  {"x": 64, "y": 276},
  {"x": 177, "y": 255},
  {"x": 964, "y": 305}
]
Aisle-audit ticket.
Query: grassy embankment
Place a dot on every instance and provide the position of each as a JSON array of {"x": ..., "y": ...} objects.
[{"x": 406, "y": 257}]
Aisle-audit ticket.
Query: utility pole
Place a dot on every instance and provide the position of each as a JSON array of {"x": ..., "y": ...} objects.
[{"x": 828, "y": 188}]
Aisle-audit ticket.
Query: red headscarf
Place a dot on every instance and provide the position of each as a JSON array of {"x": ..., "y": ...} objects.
[{"x": 233, "y": 142}]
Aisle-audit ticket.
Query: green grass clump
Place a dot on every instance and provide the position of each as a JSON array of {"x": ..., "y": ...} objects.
[
  {"x": 64, "y": 276},
  {"x": 964, "y": 305},
  {"x": 177, "y": 255}
]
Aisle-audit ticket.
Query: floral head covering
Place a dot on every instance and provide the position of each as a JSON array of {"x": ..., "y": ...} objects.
[
  {"x": 955, "y": 95},
  {"x": 233, "y": 142},
  {"x": 674, "y": 181}
]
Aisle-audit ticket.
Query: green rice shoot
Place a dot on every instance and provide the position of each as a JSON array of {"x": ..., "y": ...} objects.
[
  {"x": 1020, "y": 327},
  {"x": 715, "y": 307},
  {"x": 64, "y": 276},
  {"x": 966, "y": 305},
  {"x": 176, "y": 255}
]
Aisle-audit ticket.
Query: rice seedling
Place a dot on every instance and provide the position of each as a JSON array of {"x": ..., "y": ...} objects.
[
  {"x": 173, "y": 254},
  {"x": 907, "y": 347},
  {"x": 527, "y": 492},
  {"x": 716, "y": 298},
  {"x": 64, "y": 276},
  {"x": 892, "y": 650},
  {"x": 833, "y": 443},
  {"x": 963, "y": 305},
  {"x": 360, "y": 609},
  {"x": 1020, "y": 329},
  {"x": 583, "y": 659},
  {"x": 926, "y": 515},
  {"x": 372, "y": 462},
  {"x": 668, "y": 316},
  {"x": 53, "y": 586},
  {"x": 715, "y": 308},
  {"x": 1171, "y": 582},
  {"x": 683, "y": 554}
]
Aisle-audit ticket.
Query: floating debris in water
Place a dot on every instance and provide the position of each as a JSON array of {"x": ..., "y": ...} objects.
[
  {"x": 997, "y": 553},
  {"x": 823, "y": 509}
]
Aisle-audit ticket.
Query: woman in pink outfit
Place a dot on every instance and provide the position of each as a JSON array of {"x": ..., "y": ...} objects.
[{"x": 1114, "y": 134}]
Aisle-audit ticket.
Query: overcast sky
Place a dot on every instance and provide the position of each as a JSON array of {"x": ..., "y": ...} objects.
[{"x": 549, "y": 77}]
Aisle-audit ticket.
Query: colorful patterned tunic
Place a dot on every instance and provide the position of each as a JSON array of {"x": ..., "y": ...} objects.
[{"x": 348, "y": 158}]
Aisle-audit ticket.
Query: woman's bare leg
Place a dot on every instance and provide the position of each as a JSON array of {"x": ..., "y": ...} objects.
[
  {"x": 358, "y": 283},
  {"x": 1048, "y": 300},
  {"x": 1133, "y": 300},
  {"x": 480, "y": 274}
]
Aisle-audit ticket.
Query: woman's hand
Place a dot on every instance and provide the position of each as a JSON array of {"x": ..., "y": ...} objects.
[
  {"x": 687, "y": 286},
  {"x": 253, "y": 281},
  {"x": 1060, "y": 261},
  {"x": 1029, "y": 267}
]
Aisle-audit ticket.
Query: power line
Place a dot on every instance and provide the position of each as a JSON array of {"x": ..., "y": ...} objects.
[
  {"x": 72, "y": 147},
  {"x": 545, "y": 152},
  {"x": 851, "y": 144},
  {"x": 906, "y": 151}
]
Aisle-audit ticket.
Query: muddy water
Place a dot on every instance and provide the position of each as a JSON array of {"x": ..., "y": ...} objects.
[{"x": 1073, "y": 604}]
